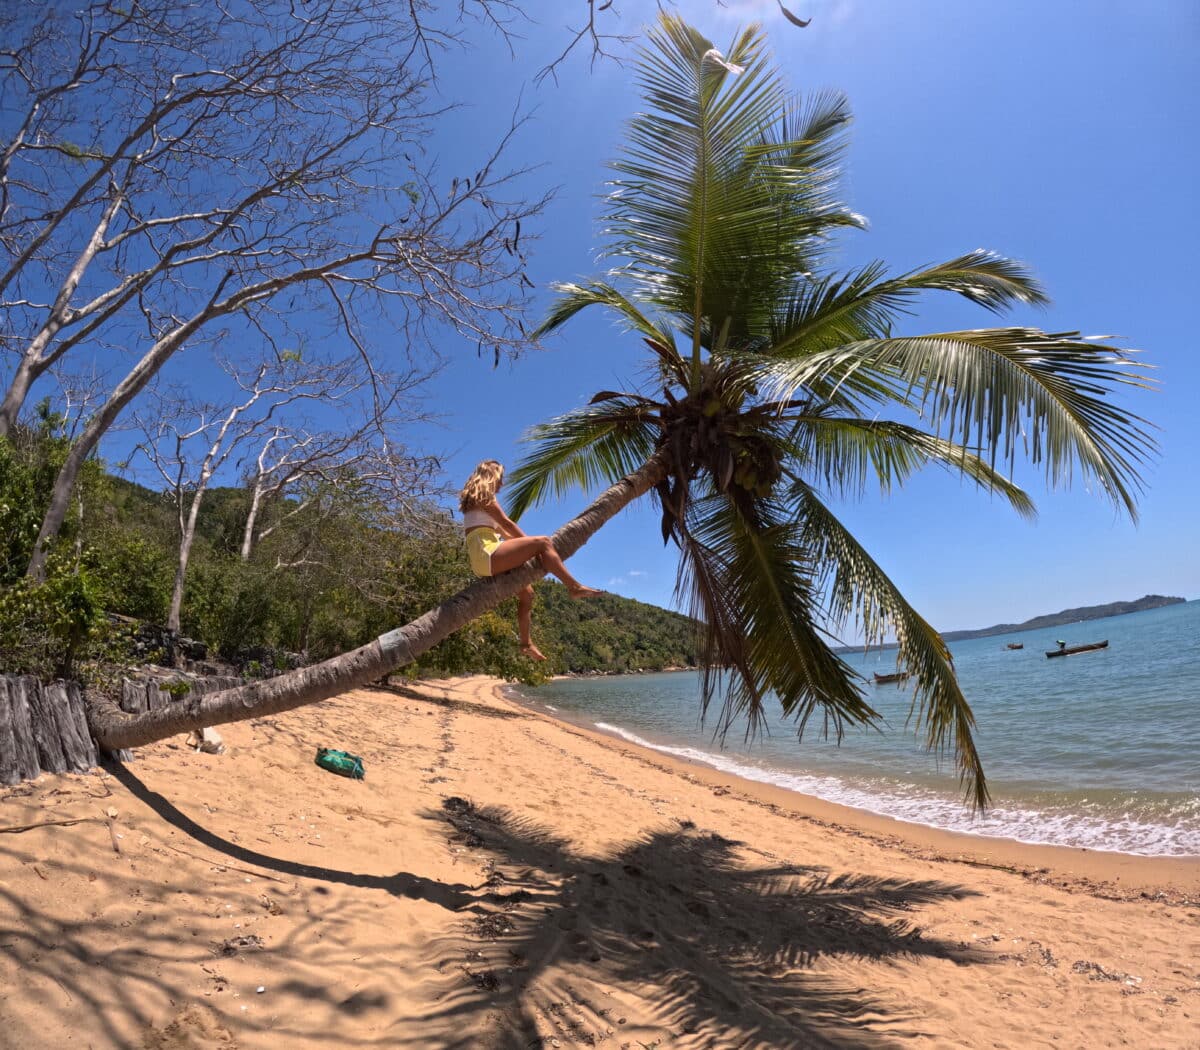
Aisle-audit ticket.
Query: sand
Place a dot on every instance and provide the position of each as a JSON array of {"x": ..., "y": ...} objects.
[{"x": 504, "y": 880}]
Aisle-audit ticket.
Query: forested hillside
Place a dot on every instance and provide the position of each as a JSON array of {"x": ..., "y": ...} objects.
[
  {"x": 610, "y": 633},
  {"x": 1087, "y": 612},
  {"x": 330, "y": 566}
]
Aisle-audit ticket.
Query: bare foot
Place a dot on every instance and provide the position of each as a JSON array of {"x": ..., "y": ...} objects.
[
  {"x": 533, "y": 652},
  {"x": 583, "y": 592}
]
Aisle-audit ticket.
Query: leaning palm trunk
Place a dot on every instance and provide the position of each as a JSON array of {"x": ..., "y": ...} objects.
[{"x": 114, "y": 729}]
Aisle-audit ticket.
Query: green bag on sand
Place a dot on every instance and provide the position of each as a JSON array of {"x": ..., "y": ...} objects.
[{"x": 341, "y": 763}]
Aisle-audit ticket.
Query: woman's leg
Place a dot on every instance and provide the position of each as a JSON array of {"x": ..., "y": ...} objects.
[
  {"x": 524, "y": 618},
  {"x": 511, "y": 554}
]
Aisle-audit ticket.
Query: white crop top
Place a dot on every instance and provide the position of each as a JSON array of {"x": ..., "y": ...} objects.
[{"x": 476, "y": 518}]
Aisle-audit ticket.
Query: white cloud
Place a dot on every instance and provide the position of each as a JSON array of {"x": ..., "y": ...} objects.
[{"x": 637, "y": 572}]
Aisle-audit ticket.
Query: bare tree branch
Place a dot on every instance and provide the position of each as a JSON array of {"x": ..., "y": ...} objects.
[
  {"x": 166, "y": 170},
  {"x": 591, "y": 35},
  {"x": 187, "y": 457}
]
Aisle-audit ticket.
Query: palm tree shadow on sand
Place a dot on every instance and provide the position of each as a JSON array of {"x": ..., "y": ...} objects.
[
  {"x": 728, "y": 950},
  {"x": 401, "y": 884}
]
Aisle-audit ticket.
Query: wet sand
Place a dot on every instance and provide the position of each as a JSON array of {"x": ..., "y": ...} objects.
[{"x": 501, "y": 879}]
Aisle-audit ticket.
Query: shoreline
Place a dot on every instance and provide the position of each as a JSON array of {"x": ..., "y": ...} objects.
[{"x": 1107, "y": 873}]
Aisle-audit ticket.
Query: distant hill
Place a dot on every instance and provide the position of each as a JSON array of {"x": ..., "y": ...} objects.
[
  {"x": 1087, "y": 612},
  {"x": 610, "y": 634}
]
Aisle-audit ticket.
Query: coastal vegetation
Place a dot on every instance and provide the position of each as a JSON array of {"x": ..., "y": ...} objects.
[{"x": 325, "y": 577}]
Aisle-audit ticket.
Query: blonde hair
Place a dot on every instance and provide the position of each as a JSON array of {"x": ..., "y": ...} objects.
[{"x": 481, "y": 486}]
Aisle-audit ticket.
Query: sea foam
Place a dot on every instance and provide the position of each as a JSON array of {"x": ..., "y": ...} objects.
[{"x": 916, "y": 805}]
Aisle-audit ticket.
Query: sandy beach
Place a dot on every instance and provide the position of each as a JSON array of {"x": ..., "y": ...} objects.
[{"x": 503, "y": 880}]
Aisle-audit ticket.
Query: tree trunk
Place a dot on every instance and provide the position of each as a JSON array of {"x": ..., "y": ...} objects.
[
  {"x": 174, "y": 613},
  {"x": 114, "y": 729},
  {"x": 251, "y": 519},
  {"x": 185, "y": 551},
  {"x": 18, "y": 390},
  {"x": 42, "y": 729}
]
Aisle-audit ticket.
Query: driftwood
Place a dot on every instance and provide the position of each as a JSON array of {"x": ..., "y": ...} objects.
[
  {"x": 43, "y": 729},
  {"x": 16, "y": 829}
]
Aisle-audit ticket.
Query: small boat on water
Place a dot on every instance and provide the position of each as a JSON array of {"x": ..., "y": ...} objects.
[
  {"x": 1070, "y": 650},
  {"x": 883, "y": 679},
  {"x": 1015, "y": 645}
]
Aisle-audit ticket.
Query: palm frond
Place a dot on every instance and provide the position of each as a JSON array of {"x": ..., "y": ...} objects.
[
  {"x": 997, "y": 388},
  {"x": 858, "y": 587},
  {"x": 799, "y": 161},
  {"x": 716, "y": 198},
  {"x": 702, "y": 589},
  {"x": 751, "y": 583},
  {"x": 812, "y": 135},
  {"x": 600, "y": 443},
  {"x": 848, "y": 452},
  {"x": 825, "y": 312},
  {"x": 572, "y": 298}
]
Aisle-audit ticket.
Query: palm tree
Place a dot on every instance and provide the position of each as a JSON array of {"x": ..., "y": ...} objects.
[{"x": 770, "y": 378}]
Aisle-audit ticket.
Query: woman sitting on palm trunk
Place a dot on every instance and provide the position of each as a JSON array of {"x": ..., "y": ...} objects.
[{"x": 496, "y": 544}]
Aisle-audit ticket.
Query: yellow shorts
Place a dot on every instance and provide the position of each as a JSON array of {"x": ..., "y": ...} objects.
[{"x": 480, "y": 544}]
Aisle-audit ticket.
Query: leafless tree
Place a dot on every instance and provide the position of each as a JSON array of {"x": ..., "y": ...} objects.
[
  {"x": 187, "y": 441},
  {"x": 78, "y": 393},
  {"x": 299, "y": 466},
  {"x": 170, "y": 171}
]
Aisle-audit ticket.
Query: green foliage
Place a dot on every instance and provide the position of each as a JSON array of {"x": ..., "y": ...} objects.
[
  {"x": 135, "y": 572},
  {"x": 52, "y": 629},
  {"x": 610, "y": 634},
  {"x": 29, "y": 461},
  {"x": 326, "y": 579},
  {"x": 230, "y": 606},
  {"x": 19, "y": 518},
  {"x": 59, "y": 627}
]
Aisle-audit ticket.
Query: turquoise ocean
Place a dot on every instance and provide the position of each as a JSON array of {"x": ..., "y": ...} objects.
[{"x": 1100, "y": 750}]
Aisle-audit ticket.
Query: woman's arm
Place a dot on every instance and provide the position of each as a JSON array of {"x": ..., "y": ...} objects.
[{"x": 504, "y": 524}]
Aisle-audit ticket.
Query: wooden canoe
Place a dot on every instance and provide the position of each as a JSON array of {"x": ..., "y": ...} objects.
[
  {"x": 1072, "y": 649},
  {"x": 1015, "y": 645},
  {"x": 883, "y": 679}
]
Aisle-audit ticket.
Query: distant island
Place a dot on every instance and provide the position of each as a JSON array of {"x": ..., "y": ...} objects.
[{"x": 1087, "y": 612}]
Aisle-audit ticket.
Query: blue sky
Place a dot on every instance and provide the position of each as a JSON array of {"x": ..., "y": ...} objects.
[{"x": 1058, "y": 137}]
